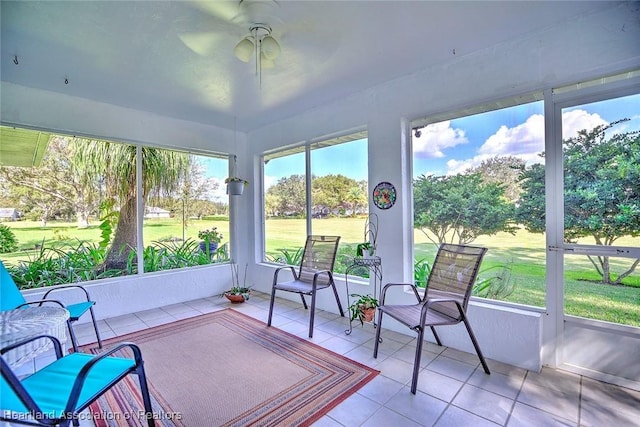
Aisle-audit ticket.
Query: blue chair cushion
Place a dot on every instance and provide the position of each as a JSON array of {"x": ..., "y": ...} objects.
[
  {"x": 51, "y": 386},
  {"x": 78, "y": 309},
  {"x": 11, "y": 295}
]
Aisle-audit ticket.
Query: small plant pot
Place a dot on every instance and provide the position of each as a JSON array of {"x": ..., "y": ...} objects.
[
  {"x": 212, "y": 247},
  {"x": 369, "y": 314},
  {"x": 235, "y": 188},
  {"x": 234, "y": 298}
]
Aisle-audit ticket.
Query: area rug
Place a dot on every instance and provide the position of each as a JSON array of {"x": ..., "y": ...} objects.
[{"x": 229, "y": 369}]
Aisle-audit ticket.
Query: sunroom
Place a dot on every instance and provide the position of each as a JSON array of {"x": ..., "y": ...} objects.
[{"x": 359, "y": 95}]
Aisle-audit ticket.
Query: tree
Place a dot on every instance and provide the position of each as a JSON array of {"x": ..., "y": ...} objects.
[
  {"x": 601, "y": 191},
  {"x": 337, "y": 192},
  {"x": 460, "y": 207},
  {"x": 115, "y": 164},
  {"x": 289, "y": 193},
  {"x": 58, "y": 187},
  {"x": 504, "y": 170}
]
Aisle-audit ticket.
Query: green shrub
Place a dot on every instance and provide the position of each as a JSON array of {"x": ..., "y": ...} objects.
[{"x": 8, "y": 241}]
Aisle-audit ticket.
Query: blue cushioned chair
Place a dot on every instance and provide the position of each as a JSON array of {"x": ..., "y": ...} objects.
[
  {"x": 12, "y": 298},
  {"x": 56, "y": 394}
]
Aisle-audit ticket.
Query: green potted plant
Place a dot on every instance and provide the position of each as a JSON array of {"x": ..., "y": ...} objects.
[
  {"x": 235, "y": 185},
  {"x": 365, "y": 250},
  {"x": 210, "y": 237},
  {"x": 364, "y": 308},
  {"x": 238, "y": 292}
]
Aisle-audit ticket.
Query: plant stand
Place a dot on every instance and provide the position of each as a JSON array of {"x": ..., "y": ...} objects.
[{"x": 374, "y": 264}]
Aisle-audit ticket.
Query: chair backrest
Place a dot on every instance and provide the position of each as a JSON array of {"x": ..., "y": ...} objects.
[
  {"x": 319, "y": 254},
  {"x": 453, "y": 274},
  {"x": 10, "y": 295}
]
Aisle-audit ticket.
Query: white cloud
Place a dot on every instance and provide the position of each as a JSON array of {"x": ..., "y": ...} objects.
[
  {"x": 269, "y": 181},
  {"x": 576, "y": 120},
  {"x": 522, "y": 140},
  {"x": 525, "y": 141},
  {"x": 218, "y": 190},
  {"x": 437, "y": 137}
]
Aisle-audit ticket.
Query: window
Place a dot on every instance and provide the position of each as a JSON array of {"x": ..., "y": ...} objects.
[
  {"x": 329, "y": 196},
  {"x": 74, "y": 210},
  {"x": 184, "y": 208},
  {"x": 467, "y": 189}
]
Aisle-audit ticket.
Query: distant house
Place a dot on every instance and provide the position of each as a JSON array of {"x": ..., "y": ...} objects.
[
  {"x": 9, "y": 214},
  {"x": 155, "y": 212}
]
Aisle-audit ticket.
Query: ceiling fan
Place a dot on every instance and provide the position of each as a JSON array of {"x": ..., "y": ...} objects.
[
  {"x": 253, "y": 16},
  {"x": 260, "y": 31}
]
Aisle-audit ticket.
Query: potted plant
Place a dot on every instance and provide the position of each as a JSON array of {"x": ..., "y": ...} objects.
[
  {"x": 238, "y": 292},
  {"x": 235, "y": 185},
  {"x": 365, "y": 250},
  {"x": 364, "y": 308},
  {"x": 211, "y": 237}
]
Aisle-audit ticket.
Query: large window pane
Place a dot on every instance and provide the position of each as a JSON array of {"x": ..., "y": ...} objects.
[
  {"x": 285, "y": 204},
  {"x": 69, "y": 206},
  {"x": 468, "y": 189},
  {"x": 339, "y": 202},
  {"x": 601, "y": 159},
  {"x": 187, "y": 209}
]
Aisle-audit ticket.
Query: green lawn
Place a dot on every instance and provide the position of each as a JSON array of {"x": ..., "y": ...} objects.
[{"x": 526, "y": 253}]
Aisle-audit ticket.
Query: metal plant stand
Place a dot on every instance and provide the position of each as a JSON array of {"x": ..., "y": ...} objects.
[{"x": 374, "y": 264}]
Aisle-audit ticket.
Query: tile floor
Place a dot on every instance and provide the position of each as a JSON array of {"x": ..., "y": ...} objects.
[{"x": 453, "y": 390}]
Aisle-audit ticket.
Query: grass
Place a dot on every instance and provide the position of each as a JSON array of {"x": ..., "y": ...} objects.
[{"x": 583, "y": 297}]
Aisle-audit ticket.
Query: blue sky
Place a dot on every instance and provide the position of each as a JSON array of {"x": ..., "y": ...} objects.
[{"x": 453, "y": 146}]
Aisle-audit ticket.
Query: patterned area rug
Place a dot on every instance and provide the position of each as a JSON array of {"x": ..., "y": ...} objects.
[{"x": 228, "y": 369}]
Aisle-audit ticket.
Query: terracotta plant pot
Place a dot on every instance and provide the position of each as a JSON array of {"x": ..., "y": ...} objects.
[
  {"x": 234, "y": 298},
  {"x": 369, "y": 314}
]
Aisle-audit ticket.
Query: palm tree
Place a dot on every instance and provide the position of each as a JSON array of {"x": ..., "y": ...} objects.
[{"x": 115, "y": 164}]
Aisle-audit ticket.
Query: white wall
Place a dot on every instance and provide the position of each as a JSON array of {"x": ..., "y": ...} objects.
[{"x": 129, "y": 294}]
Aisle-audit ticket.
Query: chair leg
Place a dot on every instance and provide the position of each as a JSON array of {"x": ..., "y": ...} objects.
[
  {"x": 335, "y": 292},
  {"x": 273, "y": 300},
  {"x": 378, "y": 330},
  {"x": 416, "y": 361},
  {"x": 433, "y": 330},
  {"x": 476, "y": 345},
  {"x": 146, "y": 399},
  {"x": 304, "y": 302},
  {"x": 72, "y": 335},
  {"x": 95, "y": 327},
  {"x": 312, "y": 314}
]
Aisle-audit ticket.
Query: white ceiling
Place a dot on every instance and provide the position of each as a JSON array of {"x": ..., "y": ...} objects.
[{"x": 133, "y": 53}]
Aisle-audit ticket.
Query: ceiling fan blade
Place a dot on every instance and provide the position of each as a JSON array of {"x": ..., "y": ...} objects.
[
  {"x": 204, "y": 43},
  {"x": 227, "y": 10}
]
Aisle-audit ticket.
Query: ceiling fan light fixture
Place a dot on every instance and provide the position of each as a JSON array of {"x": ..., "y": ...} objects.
[
  {"x": 266, "y": 63},
  {"x": 270, "y": 47},
  {"x": 244, "y": 49}
]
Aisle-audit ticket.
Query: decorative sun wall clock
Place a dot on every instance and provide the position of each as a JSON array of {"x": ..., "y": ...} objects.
[{"x": 384, "y": 195}]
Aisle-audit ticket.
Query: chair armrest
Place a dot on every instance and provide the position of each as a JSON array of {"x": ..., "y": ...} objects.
[
  {"x": 56, "y": 344},
  {"x": 318, "y": 273},
  {"x": 389, "y": 285},
  {"x": 290, "y": 267},
  {"x": 57, "y": 288},
  {"x": 42, "y": 301},
  {"x": 82, "y": 375}
]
